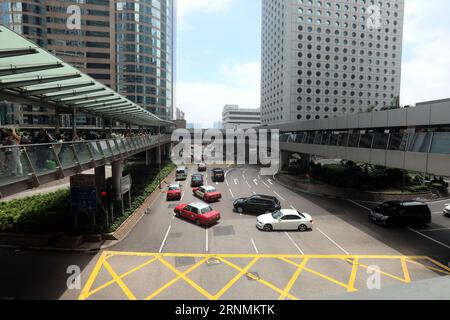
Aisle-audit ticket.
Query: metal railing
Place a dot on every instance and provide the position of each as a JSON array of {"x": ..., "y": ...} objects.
[
  {"x": 22, "y": 162},
  {"x": 421, "y": 142}
]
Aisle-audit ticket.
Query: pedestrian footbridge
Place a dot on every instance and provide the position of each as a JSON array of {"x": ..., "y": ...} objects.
[{"x": 29, "y": 166}]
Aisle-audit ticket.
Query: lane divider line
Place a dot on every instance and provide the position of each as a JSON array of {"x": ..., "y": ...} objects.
[
  {"x": 254, "y": 245},
  {"x": 334, "y": 242},
  {"x": 165, "y": 239},
  {"x": 295, "y": 244},
  {"x": 429, "y": 238},
  {"x": 279, "y": 196},
  {"x": 231, "y": 192},
  {"x": 360, "y": 205}
]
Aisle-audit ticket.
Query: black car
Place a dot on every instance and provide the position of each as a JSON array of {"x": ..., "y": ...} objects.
[
  {"x": 397, "y": 213},
  {"x": 257, "y": 204},
  {"x": 197, "y": 180},
  {"x": 218, "y": 175}
]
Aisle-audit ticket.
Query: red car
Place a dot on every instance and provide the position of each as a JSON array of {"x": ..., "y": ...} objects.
[
  {"x": 174, "y": 192},
  {"x": 201, "y": 167},
  {"x": 207, "y": 193},
  {"x": 200, "y": 213}
]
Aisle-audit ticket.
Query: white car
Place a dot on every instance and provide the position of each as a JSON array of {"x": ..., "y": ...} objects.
[
  {"x": 285, "y": 220},
  {"x": 447, "y": 210}
]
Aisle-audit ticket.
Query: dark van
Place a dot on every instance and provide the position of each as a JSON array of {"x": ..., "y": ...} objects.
[{"x": 398, "y": 213}]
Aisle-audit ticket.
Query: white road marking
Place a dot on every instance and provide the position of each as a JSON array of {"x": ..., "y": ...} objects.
[
  {"x": 334, "y": 242},
  {"x": 232, "y": 195},
  {"x": 248, "y": 184},
  {"x": 266, "y": 184},
  {"x": 226, "y": 181},
  {"x": 165, "y": 239},
  {"x": 293, "y": 242},
  {"x": 431, "y": 230},
  {"x": 359, "y": 205},
  {"x": 254, "y": 246},
  {"x": 207, "y": 242},
  {"x": 255, "y": 181},
  {"x": 294, "y": 208},
  {"x": 279, "y": 196},
  {"x": 270, "y": 181},
  {"x": 429, "y": 238},
  {"x": 254, "y": 192},
  {"x": 217, "y": 183},
  {"x": 236, "y": 181}
]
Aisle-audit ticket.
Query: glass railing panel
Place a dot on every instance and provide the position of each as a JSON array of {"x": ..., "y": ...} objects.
[
  {"x": 343, "y": 139},
  {"x": 13, "y": 164},
  {"x": 353, "y": 140},
  {"x": 380, "y": 141},
  {"x": 104, "y": 146},
  {"x": 366, "y": 140},
  {"x": 334, "y": 140},
  {"x": 66, "y": 156},
  {"x": 419, "y": 142},
  {"x": 114, "y": 148},
  {"x": 318, "y": 138},
  {"x": 96, "y": 152},
  {"x": 42, "y": 158},
  {"x": 325, "y": 139},
  {"x": 398, "y": 141},
  {"x": 441, "y": 143},
  {"x": 82, "y": 151}
]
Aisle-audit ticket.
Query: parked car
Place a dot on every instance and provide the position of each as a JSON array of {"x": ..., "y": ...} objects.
[
  {"x": 197, "y": 180},
  {"x": 396, "y": 213},
  {"x": 218, "y": 175},
  {"x": 200, "y": 213},
  {"x": 286, "y": 220},
  {"x": 174, "y": 192},
  {"x": 207, "y": 193},
  {"x": 201, "y": 167},
  {"x": 181, "y": 173},
  {"x": 447, "y": 210},
  {"x": 257, "y": 204}
]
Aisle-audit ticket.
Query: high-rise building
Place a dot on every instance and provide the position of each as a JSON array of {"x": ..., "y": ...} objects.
[
  {"x": 325, "y": 58},
  {"x": 236, "y": 118},
  {"x": 126, "y": 45}
]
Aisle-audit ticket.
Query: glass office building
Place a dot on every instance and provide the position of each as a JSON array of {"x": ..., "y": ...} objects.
[{"x": 126, "y": 45}]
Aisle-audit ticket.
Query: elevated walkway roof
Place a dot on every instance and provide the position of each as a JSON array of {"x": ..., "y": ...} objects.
[{"x": 31, "y": 75}]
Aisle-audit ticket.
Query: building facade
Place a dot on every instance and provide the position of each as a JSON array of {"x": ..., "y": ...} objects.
[
  {"x": 237, "y": 118},
  {"x": 327, "y": 58},
  {"x": 126, "y": 45}
]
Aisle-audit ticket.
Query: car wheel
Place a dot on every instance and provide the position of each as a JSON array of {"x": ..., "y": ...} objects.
[
  {"x": 302, "y": 228},
  {"x": 177, "y": 214},
  {"x": 197, "y": 222},
  {"x": 268, "y": 228},
  {"x": 240, "y": 210}
]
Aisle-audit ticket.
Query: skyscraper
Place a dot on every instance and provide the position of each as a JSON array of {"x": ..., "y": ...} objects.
[
  {"x": 127, "y": 45},
  {"x": 325, "y": 58}
]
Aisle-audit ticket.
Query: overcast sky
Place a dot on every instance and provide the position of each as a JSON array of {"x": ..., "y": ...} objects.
[{"x": 219, "y": 51}]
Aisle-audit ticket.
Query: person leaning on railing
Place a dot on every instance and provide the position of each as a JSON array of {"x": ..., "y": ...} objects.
[{"x": 15, "y": 167}]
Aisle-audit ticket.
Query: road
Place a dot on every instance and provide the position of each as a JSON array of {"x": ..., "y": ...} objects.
[{"x": 169, "y": 258}]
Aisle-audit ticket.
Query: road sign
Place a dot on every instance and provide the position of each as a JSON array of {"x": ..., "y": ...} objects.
[
  {"x": 83, "y": 193},
  {"x": 125, "y": 184}
]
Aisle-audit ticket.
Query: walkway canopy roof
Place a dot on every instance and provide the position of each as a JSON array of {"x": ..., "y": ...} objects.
[{"x": 31, "y": 75}]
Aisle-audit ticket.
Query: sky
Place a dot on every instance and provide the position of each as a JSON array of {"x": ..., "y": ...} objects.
[{"x": 219, "y": 52}]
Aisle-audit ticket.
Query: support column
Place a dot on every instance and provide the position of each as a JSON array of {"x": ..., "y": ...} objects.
[
  {"x": 117, "y": 171},
  {"x": 57, "y": 121},
  {"x": 148, "y": 157},
  {"x": 284, "y": 159},
  {"x": 110, "y": 126},
  {"x": 100, "y": 179},
  {"x": 74, "y": 121}
]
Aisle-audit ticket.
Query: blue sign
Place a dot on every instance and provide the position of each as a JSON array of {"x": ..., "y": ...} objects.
[{"x": 84, "y": 200}]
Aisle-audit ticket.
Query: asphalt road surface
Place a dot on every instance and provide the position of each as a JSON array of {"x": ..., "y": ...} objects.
[{"x": 169, "y": 258}]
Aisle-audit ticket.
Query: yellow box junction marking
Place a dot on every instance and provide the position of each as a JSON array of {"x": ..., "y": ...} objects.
[{"x": 354, "y": 261}]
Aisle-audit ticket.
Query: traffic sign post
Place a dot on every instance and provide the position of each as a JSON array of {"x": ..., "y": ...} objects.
[
  {"x": 125, "y": 187},
  {"x": 83, "y": 196}
]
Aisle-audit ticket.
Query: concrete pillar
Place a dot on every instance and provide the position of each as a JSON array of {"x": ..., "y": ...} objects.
[
  {"x": 74, "y": 121},
  {"x": 284, "y": 159},
  {"x": 57, "y": 121},
  {"x": 117, "y": 171},
  {"x": 148, "y": 157},
  {"x": 100, "y": 179},
  {"x": 158, "y": 155}
]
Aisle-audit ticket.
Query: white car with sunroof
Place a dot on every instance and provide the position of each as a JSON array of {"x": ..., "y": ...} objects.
[{"x": 285, "y": 220}]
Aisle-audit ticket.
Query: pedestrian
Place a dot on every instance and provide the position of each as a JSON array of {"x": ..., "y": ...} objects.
[{"x": 15, "y": 163}]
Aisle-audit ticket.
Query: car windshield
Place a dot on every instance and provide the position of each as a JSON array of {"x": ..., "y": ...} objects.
[
  {"x": 210, "y": 189},
  {"x": 206, "y": 210},
  {"x": 196, "y": 178},
  {"x": 277, "y": 215},
  {"x": 173, "y": 188}
]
